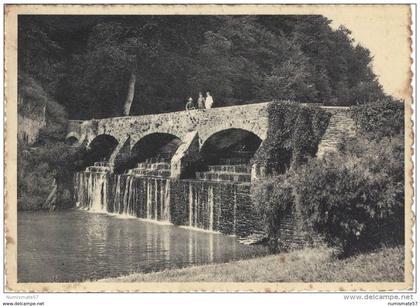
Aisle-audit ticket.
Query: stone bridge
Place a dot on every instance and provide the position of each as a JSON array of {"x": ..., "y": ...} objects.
[
  {"x": 194, "y": 128},
  {"x": 205, "y": 122}
]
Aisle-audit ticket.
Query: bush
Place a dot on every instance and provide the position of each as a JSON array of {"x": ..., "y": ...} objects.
[
  {"x": 274, "y": 200},
  {"x": 293, "y": 135},
  {"x": 383, "y": 118},
  {"x": 355, "y": 198},
  {"x": 39, "y": 168},
  {"x": 277, "y": 201}
]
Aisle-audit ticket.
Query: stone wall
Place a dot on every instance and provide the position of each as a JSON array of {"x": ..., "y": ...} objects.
[{"x": 341, "y": 124}]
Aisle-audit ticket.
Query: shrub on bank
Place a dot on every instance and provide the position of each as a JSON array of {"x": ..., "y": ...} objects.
[
  {"x": 356, "y": 201},
  {"x": 43, "y": 167},
  {"x": 275, "y": 200},
  {"x": 354, "y": 198}
]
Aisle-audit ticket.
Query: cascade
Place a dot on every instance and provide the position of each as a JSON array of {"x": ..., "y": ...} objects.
[
  {"x": 116, "y": 207},
  {"x": 129, "y": 196},
  {"x": 211, "y": 205},
  {"x": 216, "y": 200},
  {"x": 167, "y": 201},
  {"x": 92, "y": 192},
  {"x": 191, "y": 204},
  {"x": 149, "y": 201}
]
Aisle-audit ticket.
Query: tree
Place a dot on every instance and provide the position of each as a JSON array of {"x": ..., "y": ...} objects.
[
  {"x": 291, "y": 80},
  {"x": 111, "y": 65},
  {"x": 130, "y": 93},
  {"x": 39, "y": 55}
]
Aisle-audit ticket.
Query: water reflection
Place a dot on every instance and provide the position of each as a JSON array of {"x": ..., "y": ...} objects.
[{"x": 77, "y": 245}]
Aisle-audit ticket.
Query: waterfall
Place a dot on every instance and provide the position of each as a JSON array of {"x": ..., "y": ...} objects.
[
  {"x": 125, "y": 195},
  {"x": 92, "y": 193},
  {"x": 190, "y": 202},
  {"x": 210, "y": 202},
  {"x": 125, "y": 198},
  {"x": 201, "y": 208},
  {"x": 167, "y": 201},
  {"x": 217, "y": 201},
  {"x": 148, "y": 201},
  {"x": 79, "y": 189},
  {"x": 129, "y": 195},
  {"x": 89, "y": 191},
  {"x": 234, "y": 210},
  {"x": 117, "y": 196},
  {"x": 196, "y": 207},
  {"x": 162, "y": 198},
  {"x": 76, "y": 182},
  {"x": 156, "y": 199}
]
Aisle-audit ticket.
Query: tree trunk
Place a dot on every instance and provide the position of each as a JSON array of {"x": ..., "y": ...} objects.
[{"x": 130, "y": 94}]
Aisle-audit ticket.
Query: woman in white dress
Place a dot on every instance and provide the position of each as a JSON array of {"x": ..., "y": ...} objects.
[{"x": 209, "y": 101}]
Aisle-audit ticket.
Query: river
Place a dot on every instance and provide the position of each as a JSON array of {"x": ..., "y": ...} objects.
[{"x": 77, "y": 245}]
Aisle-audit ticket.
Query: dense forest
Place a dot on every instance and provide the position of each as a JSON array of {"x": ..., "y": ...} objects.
[{"x": 95, "y": 66}]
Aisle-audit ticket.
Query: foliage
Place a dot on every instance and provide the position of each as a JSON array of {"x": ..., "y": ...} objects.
[
  {"x": 356, "y": 198},
  {"x": 353, "y": 198},
  {"x": 293, "y": 135},
  {"x": 50, "y": 161},
  {"x": 85, "y": 63},
  {"x": 32, "y": 98},
  {"x": 380, "y": 119},
  {"x": 338, "y": 65},
  {"x": 39, "y": 56},
  {"x": 42, "y": 167},
  {"x": 290, "y": 80},
  {"x": 274, "y": 199}
]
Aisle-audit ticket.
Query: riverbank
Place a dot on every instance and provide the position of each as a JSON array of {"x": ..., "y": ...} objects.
[{"x": 308, "y": 265}]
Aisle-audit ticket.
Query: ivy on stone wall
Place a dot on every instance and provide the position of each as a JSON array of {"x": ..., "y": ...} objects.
[
  {"x": 293, "y": 135},
  {"x": 380, "y": 119}
]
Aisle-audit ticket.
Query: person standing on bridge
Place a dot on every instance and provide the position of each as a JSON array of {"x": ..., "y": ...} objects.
[
  {"x": 200, "y": 101},
  {"x": 209, "y": 100},
  {"x": 189, "y": 105}
]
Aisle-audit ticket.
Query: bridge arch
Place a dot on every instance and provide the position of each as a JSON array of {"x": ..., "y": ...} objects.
[
  {"x": 232, "y": 145},
  {"x": 158, "y": 145},
  {"x": 101, "y": 147},
  {"x": 72, "y": 138},
  {"x": 259, "y": 130}
]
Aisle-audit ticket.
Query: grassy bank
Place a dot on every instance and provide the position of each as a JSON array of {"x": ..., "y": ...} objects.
[{"x": 309, "y": 265}]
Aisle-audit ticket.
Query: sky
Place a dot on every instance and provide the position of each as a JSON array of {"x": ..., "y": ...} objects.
[{"x": 384, "y": 30}]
